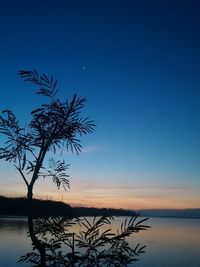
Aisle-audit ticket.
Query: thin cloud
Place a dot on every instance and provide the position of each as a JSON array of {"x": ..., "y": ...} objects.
[
  {"x": 91, "y": 185},
  {"x": 89, "y": 149}
]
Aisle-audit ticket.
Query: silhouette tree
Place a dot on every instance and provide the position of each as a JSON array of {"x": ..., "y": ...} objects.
[{"x": 54, "y": 125}]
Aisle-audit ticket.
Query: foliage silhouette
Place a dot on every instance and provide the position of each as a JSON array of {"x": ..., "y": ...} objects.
[{"x": 57, "y": 126}]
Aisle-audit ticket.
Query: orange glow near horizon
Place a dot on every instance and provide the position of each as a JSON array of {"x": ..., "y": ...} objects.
[
  {"x": 118, "y": 203},
  {"x": 105, "y": 195},
  {"x": 110, "y": 194}
]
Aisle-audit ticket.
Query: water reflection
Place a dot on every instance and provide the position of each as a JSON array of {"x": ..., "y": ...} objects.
[
  {"x": 14, "y": 241},
  {"x": 170, "y": 242},
  {"x": 83, "y": 242},
  {"x": 15, "y": 224}
]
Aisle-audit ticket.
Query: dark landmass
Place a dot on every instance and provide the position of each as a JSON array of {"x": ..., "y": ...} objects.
[
  {"x": 172, "y": 213},
  {"x": 18, "y": 207}
]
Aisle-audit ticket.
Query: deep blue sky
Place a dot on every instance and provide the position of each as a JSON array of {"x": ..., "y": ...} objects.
[{"x": 138, "y": 64}]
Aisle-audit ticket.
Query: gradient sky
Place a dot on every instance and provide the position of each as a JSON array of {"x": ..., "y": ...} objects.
[{"x": 138, "y": 63}]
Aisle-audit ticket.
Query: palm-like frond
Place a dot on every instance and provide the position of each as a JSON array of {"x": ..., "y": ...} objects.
[
  {"x": 59, "y": 123},
  {"x": 47, "y": 86},
  {"x": 57, "y": 171},
  {"x": 17, "y": 141}
]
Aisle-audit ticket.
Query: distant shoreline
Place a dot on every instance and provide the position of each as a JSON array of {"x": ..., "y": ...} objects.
[
  {"x": 17, "y": 207},
  {"x": 171, "y": 213}
]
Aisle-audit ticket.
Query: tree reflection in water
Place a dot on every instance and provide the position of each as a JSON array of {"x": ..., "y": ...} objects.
[{"x": 84, "y": 242}]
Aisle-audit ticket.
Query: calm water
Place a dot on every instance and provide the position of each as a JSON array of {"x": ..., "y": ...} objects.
[{"x": 170, "y": 242}]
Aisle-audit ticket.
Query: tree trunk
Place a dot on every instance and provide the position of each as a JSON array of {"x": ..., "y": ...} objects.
[{"x": 36, "y": 242}]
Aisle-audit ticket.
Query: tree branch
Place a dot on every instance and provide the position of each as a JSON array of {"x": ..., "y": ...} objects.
[{"x": 24, "y": 178}]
